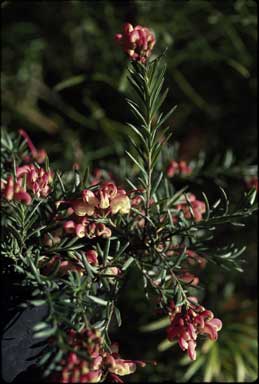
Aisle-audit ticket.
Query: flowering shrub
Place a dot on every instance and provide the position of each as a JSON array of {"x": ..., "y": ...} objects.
[{"x": 73, "y": 236}]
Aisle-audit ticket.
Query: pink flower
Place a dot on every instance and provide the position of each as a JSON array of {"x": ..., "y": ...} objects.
[
  {"x": 136, "y": 42},
  {"x": 8, "y": 190},
  {"x": 99, "y": 365},
  {"x": 89, "y": 198},
  {"x": 184, "y": 168},
  {"x": 120, "y": 204},
  {"x": 178, "y": 168},
  {"x": 104, "y": 200},
  {"x": 91, "y": 230},
  {"x": 81, "y": 208},
  {"x": 211, "y": 328},
  {"x": 85, "y": 211},
  {"x": 80, "y": 230},
  {"x": 69, "y": 226},
  {"x": 172, "y": 168},
  {"x": 37, "y": 179},
  {"x": 119, "y": 366},
  {"x": 198, "y": 207},
  {"x": 102, "y": 230},
  {"x": 187, "y": 325},
  {"x": 12, "y": 190},
  {"x": 38, "y": 154},
  {"x": 23, "y": 197},
  {"x": 110, "y": 189},
  {"x": 92, "y": 256}
]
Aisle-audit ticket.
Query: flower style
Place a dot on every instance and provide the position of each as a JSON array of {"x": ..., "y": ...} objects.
[
  {"x": 136, "y": 42},
  {"x": 188, "y": 323},
  {"x": 39, "y": 155}
]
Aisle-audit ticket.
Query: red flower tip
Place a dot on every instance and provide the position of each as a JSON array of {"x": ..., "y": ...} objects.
[{"x": 136, "y": 42}]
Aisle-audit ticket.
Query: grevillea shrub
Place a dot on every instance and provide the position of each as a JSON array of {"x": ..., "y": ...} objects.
[{"x": 72, "y": 237}]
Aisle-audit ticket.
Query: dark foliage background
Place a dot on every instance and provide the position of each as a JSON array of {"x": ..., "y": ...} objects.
[{"x": 64, "y": 81}]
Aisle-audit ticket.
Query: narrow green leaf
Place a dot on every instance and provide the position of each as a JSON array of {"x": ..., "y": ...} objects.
[
  {"x": 98, "y": 300},
  {"x": 193, "y": 368},
  {"x": 155, "y": 325},
  {"x": 118, "y": 316},
  {"x": 37, "y": 303},
  {"x": 40, "y": 326},
  {"x": 127, "y": 263},
  {"x": 166, "y": 117},
  {"x": 71, "y": 82},
  {"x": 136, "y": 162},
  {"x": 165, "y": 344}
]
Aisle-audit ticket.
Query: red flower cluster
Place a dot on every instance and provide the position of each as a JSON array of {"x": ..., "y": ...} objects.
[
  {"x": 137, "y": 42},
  {"x": 98, "y": 364},
  {"x": 29, "y": 178},
  {"x": 198, "y": 208},
  {"x": 106, "y": 200},
  {"x": 178, "y": 168},
  {"x": 188, "y": 323}
]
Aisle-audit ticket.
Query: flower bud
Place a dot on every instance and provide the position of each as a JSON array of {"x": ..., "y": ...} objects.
[
  {"x": 80, "y": 230},
  {"x": 92, "y": 257}
]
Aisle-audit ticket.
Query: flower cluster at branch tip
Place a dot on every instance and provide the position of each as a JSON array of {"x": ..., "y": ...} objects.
[
  {"x": 30, "y": 181},
  {"x": 136, "y": 42},
  {"x": 106, "y": 200},
  {"x": 189, "y": 322},
  {"x": 98, "y": 364},
  {"x": 191, "y": 207},
  {"x": 178, "y": 168}
]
